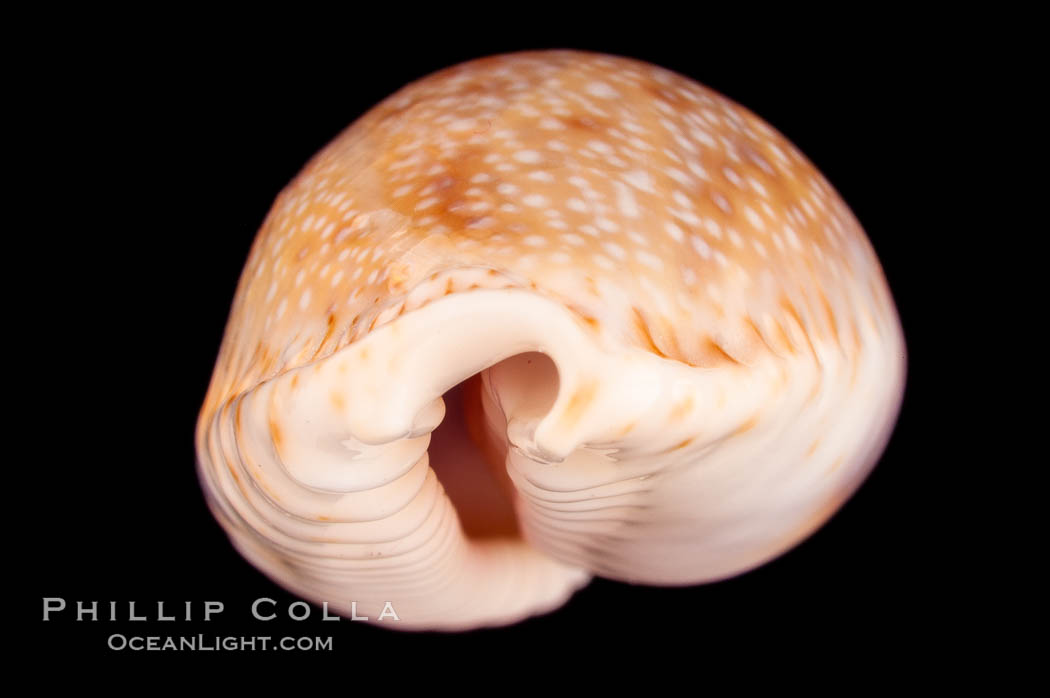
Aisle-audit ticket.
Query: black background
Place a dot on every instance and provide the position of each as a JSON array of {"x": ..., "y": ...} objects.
[{"x": 157, "y": 162}]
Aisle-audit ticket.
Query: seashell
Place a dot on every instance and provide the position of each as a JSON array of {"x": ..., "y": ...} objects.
[{"x": 666, "y": 348}]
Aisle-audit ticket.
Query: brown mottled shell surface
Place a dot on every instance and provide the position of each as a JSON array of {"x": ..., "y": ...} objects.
[{"x": 688, "y": 354}]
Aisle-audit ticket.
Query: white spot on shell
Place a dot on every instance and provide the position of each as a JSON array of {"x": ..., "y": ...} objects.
[
  {"x": 528, "y": 156},
  {"x": 615, "y": 250},
  {"x": 625, "y": 201},
  {"x": 535, "y": 200},
  {"x": 721, "y": 202},
  {"x": 674, "y": 231},
  {"x": 601, "y": 90},
  {"x": 461, "y": 125},
  {"x": 754, "y": 219},
  {"x": 649, "y": 259},
  {"x": 701, "y": 246},
  {"x": 639, "y": 179}
]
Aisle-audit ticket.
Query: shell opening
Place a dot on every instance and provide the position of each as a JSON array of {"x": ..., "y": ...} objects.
[{"x": 468, "y": 449}]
